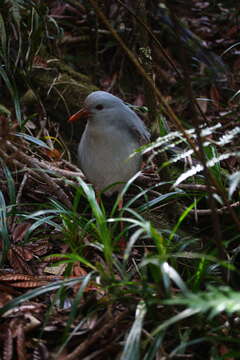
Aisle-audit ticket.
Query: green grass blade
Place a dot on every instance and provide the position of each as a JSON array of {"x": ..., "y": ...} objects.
[
  {"x": 10, "y": 182},
  {"x": 3, "y": 228},
  {"x": 14, "y": 93},
  {"x": 131, "y": 349},
  {"x": 154, "y": 348},
  {"x": 101, "y": 221},
  {"x": 181, "y": 218},
  {"x": 3, "y": 37}
]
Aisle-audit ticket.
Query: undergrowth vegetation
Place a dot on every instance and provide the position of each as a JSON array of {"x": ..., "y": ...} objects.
[{"x": 82, "y": 277}]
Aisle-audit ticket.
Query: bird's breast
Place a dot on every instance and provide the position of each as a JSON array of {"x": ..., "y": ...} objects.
[{"x": 104, "y": 156}]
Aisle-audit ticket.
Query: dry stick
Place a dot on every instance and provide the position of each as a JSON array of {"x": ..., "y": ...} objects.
[
  {"x": 62, "y": 172},
  {"x": 34, "y": 174},
  {"x": 214, "y": 215},
  {"x": 166, "y": 108},
  {"x": 19, "y": 165},
  {"x": 16, "y": 163},
  {"x": 222, "y": 210},
  {"x": 165, "y": 54},
  {"x": 94, "y": 338},
  {"x": 54, "y": 171},
  {"x": 145, "y": 57},
  {"x": 68, "y": 164},
  {"x": 36, "y": 165},
  {"x": 167, "y": 57}
]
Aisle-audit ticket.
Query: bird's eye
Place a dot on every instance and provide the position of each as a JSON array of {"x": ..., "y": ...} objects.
[{"x": 99, "y": 107}]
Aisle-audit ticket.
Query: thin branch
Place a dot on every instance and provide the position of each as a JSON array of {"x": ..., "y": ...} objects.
[{"x": 35, "y": 167}]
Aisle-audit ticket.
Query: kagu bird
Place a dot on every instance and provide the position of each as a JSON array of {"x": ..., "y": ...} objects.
[{"x": 112, "y": 133}]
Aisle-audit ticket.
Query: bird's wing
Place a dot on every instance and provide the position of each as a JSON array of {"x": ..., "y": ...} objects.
[
  {"x": 137, "y": 127},
  {"x": 142, "y": 136}
]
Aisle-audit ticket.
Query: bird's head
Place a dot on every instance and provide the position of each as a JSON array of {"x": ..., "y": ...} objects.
[{"x": 99, "y": 105}]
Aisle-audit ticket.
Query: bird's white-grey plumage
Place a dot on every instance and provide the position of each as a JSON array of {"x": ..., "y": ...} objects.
[{"x": 112, "y": 134}]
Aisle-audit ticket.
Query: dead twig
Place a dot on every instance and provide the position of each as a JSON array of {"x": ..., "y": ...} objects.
[
  {"x": 109, "y": 325},
  {"x": 221, "y": 211},
  {"x": 36, "y": 165}
]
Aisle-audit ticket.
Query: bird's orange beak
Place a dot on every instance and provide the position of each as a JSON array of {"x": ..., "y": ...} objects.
[{"x": 83, "y": 113}]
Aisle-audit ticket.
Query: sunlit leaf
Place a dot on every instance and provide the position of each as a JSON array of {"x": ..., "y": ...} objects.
[
  {"x": 234, "y": 181},
  {"x": 34, "y": 140}
]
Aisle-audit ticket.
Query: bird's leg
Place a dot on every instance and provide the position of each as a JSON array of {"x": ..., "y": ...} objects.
[
  {"x": 98, "y": 196},
  {"x": 120, "y": 204}
]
